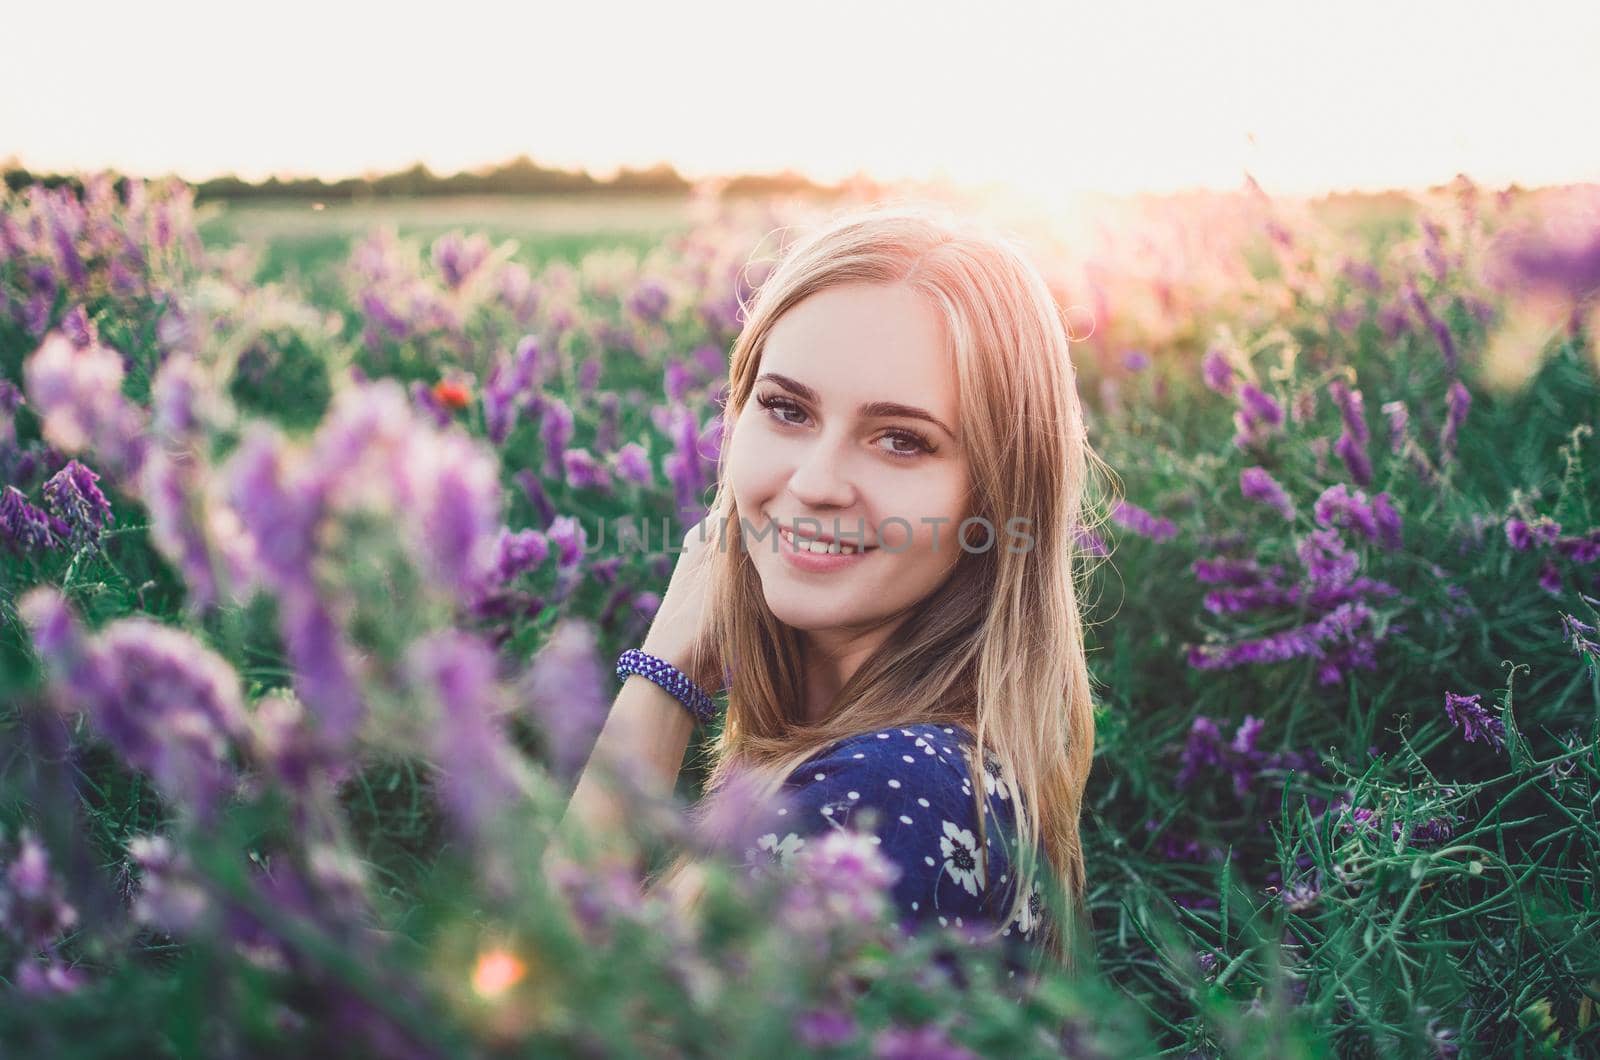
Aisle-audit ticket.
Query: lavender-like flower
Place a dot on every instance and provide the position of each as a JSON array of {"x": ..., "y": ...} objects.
[
  {"x": 1458, "y": 401},
  {"x": 482, "y": 779},
  {"x": 459, "y": 257},
  {"x": 1257, "y": 484},
  {"x": 1142, "y": 522},
  {"x": 1473, "y": 720},
  {"x": 584, "y": 472},
  {"x": 556, "y": 431},
  {"x": 1304, "y": 641},
  {"x": 1351, "y": 412},
  {"x": 75, "y": 498},
  {"x": 1327, "y": 562},
  {"x": 649, "y": 301},
  {"x": 78, "y": 396},
  {"x": 566, "y": 691},
  {"x": 632, "y": 464},
  {"x": 1224, "y": 570},
  {"x": 1440, "y": 330},
  {"x": 1216, "y": 372},
  {"x": 927, "y": 1042},
  {"x": 25, "y": 528},
  {"x": 1258, "y": 417},
  {"x": 1398, "y": 416},
  {"x": 840, "y": 879},
  {"x": 1578, "y": 633},
  {"x": 167, "y": 703},
  {"x": 825, "y": 1028}
]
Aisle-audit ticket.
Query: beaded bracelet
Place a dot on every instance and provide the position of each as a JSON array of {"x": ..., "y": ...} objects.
[{"x": 694, "y": 699}]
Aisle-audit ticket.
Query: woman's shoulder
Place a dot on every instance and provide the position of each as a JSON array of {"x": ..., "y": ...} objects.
[{"x": 923, "y": 753}]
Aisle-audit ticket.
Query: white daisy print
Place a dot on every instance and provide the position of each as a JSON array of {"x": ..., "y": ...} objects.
[
  {"x": 770, "y": 850},
  {"x": 961, "y": 857},
  {"x": 1028, "y": 919},
  {"x": 992, "y": 780}
]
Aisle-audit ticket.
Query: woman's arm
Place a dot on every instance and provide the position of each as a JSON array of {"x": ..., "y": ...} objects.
[{"x": 647, "y": 731}]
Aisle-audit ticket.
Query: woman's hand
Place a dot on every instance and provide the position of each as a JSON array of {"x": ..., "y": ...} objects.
[{"x": 681, "y": 622}]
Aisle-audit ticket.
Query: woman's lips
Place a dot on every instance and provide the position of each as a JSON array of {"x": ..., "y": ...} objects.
[{"x": 817, "y": 562}]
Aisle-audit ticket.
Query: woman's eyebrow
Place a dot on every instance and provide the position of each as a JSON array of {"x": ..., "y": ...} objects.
[{"x": 871, "y": 409}]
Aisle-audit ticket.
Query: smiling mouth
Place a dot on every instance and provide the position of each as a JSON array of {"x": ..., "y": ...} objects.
[{"x": 819, "y": 547}]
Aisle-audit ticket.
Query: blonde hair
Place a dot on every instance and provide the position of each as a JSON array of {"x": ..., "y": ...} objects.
[{"x": 999, "y": 646}]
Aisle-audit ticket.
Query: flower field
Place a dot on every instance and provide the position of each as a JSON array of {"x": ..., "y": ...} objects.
[{"x": 310, "y": 588}]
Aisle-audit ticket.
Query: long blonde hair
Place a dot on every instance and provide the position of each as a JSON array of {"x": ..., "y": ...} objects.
[{"x": 999, "y": 646}]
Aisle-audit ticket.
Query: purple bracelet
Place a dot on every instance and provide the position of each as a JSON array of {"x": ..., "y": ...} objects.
[{"x": 694, "y": 699}]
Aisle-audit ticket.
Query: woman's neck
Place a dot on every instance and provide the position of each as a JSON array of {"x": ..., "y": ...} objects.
[{"x": 829, "y": 658}]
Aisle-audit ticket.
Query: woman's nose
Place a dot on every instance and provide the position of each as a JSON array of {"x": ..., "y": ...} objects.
[{"x": 820, "y": 479}]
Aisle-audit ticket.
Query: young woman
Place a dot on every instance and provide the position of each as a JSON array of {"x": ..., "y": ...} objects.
[{"x": 888, "y": 583}]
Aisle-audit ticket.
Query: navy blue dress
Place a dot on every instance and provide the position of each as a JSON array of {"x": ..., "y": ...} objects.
[{"x": 916, "y": 780}]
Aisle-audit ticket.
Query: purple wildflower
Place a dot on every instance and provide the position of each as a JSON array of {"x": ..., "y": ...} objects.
[
  {"x": 26, "y": 528},
  {"x": 1560, "y": 257},
  {"x": 428, "y": 403},
  {"x": 584, "y": 472},
  {"x": 1091, "y": 543},
  {"x": 649, "y": 301},
  {"x": 1257, "y": 484},
  {"x": 555, "y": 429},
  {"x": 1579, "y": 632},
  {"x": 1223, "y": 570},
  {"x": 1252, "y": 597},
  {"x": 459, "y": 257},
  {"x": 1458, "y": 399},
  {"x": 518, "y": 552},
  {"x": 1398, "y": 416},
  {"x": 79, "y": 328},
  {"x": 632, "y": 464},
  {"x": 1440, "y": 330},
  {"x": 1473, "y": 720},
  {"x": 842, "y": 878},
  {"x": 565, "y": 689},
  {"x": 78, "y": 396},
  {"x": 76, "y": 500},
  {"x": 927, "y": 1042},
  {"x": 166, "y": 702},
  {"x": 481, "y": 777},
  {"x": 566, "y": 533},
  {"x": 825, "y": 1028},
  {"x": 1579, "y": 548},
  {"x": 1550, "y": 578},
  {"x": 1216, "y": 372},
  {"x": 1142, "y": 522},
  {"x": 677, "y": 380},
  {"x": 1259, "y": 415},
  {"x": 1339, "y": 506},
  {"x": 169, "y": 486},
  {"x": 534, "y": 489},
  {"x": 1304, "y": 641},
  {"x": 1327, "y": 562},
  {"x": 1349, "y": 404}
]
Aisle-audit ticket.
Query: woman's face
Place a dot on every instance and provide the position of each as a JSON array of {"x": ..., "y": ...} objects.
[{"x": 848, "y": 435}]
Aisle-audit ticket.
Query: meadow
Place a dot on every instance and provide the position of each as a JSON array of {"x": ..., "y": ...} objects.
[{"x": 303, "y": 641}]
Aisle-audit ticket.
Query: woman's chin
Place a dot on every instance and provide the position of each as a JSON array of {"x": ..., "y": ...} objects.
[{"x": 812, "y": 611}]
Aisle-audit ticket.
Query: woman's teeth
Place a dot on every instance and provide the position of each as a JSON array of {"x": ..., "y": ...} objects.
[{"x": 833, "y": 548}]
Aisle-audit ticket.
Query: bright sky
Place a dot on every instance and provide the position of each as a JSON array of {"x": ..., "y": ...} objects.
[{"x": 1050, "y": 97}]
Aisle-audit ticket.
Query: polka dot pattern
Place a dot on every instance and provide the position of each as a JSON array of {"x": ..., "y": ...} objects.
[{"x": 911, "y": 789}]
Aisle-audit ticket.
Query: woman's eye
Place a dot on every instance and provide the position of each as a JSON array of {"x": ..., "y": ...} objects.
[
  {"x": 915, "y": 444},
  {"x": 778, "y": 407}
]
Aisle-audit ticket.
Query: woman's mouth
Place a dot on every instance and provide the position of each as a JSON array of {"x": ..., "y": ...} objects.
[{"x": 819, "y": 557}]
